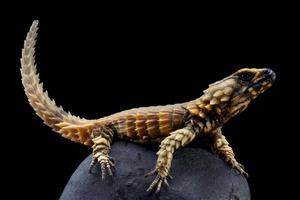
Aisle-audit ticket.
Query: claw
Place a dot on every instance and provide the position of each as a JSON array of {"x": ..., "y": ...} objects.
[
  {"x": 103, "y": 171},
  {"x": 240, "y": 168},
  {"x": 158, "y": 182},
  {"x": 166, "y": 183},
  {"x": 107, "y": 166},
  {"x": 243, "y": 173},
  {"x": 151, "y": 173},
  {"x": 150, "y": 188},
  {"x": 112, "y": 160},
  {"x": 158, "y": 186},
  {"x": 93, "y": 163},
  {"x": 111, "y": 163},
  {"x": 108, "y": 169}
]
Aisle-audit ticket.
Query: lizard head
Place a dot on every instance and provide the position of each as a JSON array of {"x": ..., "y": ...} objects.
[{"x": 232, "y": 94}]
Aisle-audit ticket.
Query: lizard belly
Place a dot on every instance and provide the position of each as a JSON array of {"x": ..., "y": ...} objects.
[{"x": 147, "y": 123}]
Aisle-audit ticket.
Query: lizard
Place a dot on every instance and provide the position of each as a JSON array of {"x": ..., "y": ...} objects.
[{"x": 169, "y": 126}]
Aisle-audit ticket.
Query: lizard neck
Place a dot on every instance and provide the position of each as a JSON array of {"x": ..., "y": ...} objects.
[{"x": 208, "y": 116}]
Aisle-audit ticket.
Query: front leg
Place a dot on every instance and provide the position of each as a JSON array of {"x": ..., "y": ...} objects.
[
  {"x": 102, "y": 138},
  {"x": 221, "y": 147},
  {"x": 178, "y": 138}
]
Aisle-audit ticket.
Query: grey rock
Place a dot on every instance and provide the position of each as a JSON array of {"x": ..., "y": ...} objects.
[{"x": 197, "y": 174}]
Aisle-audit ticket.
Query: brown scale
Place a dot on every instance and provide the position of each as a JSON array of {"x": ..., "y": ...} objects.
[{"x": 147, "y": 123}]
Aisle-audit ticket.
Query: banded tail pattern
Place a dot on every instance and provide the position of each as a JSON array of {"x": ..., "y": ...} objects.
[{"x": 69, "y": 126}]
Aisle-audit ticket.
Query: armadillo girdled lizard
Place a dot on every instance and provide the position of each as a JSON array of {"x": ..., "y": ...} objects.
[{"x": 171, "y": 126}]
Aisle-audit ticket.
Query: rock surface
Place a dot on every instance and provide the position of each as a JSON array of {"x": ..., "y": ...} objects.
[{"x": 197, "y": 174}]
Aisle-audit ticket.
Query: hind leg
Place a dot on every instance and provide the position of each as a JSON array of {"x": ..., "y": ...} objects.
[{"x": 102, "y": 138}]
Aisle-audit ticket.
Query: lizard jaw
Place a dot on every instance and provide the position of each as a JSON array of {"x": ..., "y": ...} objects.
[{"x": 265, "y": 81}]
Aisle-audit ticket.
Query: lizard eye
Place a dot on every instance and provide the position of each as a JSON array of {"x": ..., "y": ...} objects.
[{"x": 245, "y": 76}]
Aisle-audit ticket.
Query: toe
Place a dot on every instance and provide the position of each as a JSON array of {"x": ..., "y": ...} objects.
[
  {"x": 151, "y": 173},
  {"x": 166, "y": 183},
  {"x": 103, "y": 173},
  {"x": 93, "y": 163},
  {"x": 109, "y": 170},
  {"x": 158, "y": 186}
]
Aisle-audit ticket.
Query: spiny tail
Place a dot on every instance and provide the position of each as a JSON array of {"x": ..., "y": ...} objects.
[{"x": 69, "y": 126}]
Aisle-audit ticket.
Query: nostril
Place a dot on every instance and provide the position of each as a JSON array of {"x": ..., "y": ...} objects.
[
  {"x": 273, "y": 75},
  {"x": 269, "y": 72}
]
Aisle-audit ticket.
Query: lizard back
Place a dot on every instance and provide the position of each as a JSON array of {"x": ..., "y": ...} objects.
[{"x": 146, "y": 123}]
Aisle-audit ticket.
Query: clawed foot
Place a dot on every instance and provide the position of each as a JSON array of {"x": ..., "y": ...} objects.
[
  {"x": 239, "y": 167},
  {"x": 159, "y": 180},
  {"x": 106, "y": 163}
]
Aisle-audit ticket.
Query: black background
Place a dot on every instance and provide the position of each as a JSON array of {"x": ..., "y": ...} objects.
[{"x": 95, "y": 62}]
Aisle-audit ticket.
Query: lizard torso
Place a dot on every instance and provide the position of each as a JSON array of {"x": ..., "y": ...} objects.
[
  {"x": 147, "y": 124},
  {"x": 152, "y": 124}
]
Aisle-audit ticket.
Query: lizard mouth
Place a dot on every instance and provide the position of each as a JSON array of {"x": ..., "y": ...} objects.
[{"x": 264, "y": 82}]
